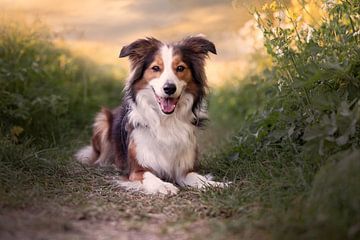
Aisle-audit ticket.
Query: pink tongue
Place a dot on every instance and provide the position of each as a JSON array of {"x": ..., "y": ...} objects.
[{"x": 168, "y": 104}]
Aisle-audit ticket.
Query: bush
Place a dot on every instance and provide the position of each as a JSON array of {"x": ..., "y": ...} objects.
[
  {"x": 311, "y": 120},
  {"x": 48, "y": 97},
  {"x": 44, "y": 89}
]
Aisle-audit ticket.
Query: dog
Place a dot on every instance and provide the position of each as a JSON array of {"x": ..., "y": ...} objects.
[{"x": 152, "y": 134}]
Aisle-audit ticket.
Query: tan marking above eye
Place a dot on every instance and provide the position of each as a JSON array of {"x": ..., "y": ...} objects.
[
  {"x": 177, "y": 62},
  {"x": 157, "y": 63},
  {"x": 184, "y": 73},
  {"x": 154, "y": 70}
]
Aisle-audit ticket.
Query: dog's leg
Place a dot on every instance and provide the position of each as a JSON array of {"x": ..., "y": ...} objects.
[
  {"x": 142, "y": 179},
  {"x": 195, "y": 180}
]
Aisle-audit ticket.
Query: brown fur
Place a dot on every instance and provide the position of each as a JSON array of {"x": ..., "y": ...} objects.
[
  {"x": 136, "y": 171},
  {"x": 149, "y": 74},
  {"x": 101, "y": 139},
  {"x": 139, "y": 50}
]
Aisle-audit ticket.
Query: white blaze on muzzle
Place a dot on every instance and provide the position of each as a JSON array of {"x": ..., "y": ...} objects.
[{"x": 167, "y": 102}]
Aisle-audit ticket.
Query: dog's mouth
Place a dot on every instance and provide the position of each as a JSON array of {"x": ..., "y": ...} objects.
[{"x": 167, "y": 104}]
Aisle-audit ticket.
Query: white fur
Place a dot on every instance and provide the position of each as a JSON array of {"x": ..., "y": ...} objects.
[
  {"x": 168, "y": 75},
  {"x": 150, "y": 185},
  {"x": 166, "y": 143},
  {"x": 86, "y": 155}
]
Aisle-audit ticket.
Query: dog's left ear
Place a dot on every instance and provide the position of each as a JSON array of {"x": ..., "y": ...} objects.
[{"x": 199, "y": 45}]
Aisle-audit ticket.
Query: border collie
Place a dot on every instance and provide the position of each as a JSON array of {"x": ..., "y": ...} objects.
[{"x": 152, "y": 135}]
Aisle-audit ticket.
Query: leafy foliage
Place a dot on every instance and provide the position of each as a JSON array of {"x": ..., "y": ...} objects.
[
  {"x": 311, "y": 121},
  {"x": 48, "y": 98},
  {"x": 44, "y": 89}
]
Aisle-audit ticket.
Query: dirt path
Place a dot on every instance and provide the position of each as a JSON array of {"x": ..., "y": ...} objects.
[
  {"x": 50, "y": 221},
  {"x": 42, "y": 224},
  {"x": 100, "y": 211}
]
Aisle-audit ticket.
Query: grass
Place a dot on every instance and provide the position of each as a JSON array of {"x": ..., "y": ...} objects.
[
  {"x": 294, "y": 159},
  {"x": 48, "y": 98},
  {"x": 293, "y": 156}
]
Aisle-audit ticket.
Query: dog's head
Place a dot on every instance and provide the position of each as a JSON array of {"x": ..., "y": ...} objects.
[{"x": 169, "y": 69}]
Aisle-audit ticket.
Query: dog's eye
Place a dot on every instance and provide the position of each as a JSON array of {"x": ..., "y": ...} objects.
[
  {"x": 180, "y": 68},
  {"x": 156, "y": 68}
]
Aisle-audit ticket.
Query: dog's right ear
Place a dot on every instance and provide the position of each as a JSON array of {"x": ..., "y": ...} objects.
[
  {"x": 138, "y": 50},
  {"x": 198, "y": 45}
]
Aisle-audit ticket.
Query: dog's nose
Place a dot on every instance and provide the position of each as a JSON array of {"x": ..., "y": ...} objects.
[{"x": 169, "y": 88}]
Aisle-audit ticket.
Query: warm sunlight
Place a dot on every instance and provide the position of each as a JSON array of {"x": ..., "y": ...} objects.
[{"x": 98, "y": 29}]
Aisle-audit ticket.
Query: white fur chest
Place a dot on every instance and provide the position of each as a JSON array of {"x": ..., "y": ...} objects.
[{"x": 165, "y": 144}]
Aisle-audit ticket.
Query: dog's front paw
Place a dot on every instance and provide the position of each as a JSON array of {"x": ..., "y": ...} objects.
[
  {"x": 167, "y": 188},
  {"x": 162, "y": 188},
  {"x": 154, "y": 185}
]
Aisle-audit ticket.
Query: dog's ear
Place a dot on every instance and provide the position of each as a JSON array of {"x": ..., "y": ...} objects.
[
  {"x": 199, "y": 45},
  {"x": 139, "y": 49}
]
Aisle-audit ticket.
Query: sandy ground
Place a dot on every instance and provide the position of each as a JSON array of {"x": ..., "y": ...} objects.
[
  {"x": 120, "y": 216},
  {"x": 64, "y": 223}
]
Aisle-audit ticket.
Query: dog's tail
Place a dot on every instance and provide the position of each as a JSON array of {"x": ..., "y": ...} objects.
[
  {"x": 86, "y": 155},
  {"x": 100, "y": 152}
]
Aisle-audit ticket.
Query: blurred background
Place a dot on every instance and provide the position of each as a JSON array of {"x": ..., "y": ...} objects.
[{"x": 98, "y": 29}]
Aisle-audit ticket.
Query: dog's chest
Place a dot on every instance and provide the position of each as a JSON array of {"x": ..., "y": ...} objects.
[{"x": 169, "y": 148}]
